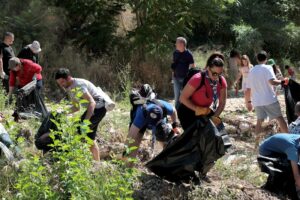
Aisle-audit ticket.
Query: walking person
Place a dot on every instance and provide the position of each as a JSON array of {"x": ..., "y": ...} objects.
[
  {"x": 182, "y": 61},
  {"x": 7, "y": 53},
  {"x": 260, "y": 95},
  {"x": 233, "y": 67},
  {"x": 244, "y": 71}
]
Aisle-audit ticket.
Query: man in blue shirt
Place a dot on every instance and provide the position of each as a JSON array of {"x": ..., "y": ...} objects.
[
  {"x": 151, "y": 116},
  {"x": 182, "y": 61},
  {"x": 287, "y": 144}
]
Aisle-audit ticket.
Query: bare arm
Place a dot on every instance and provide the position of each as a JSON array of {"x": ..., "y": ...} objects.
[
  {"x": 134, "y": 139},
  {"x": 222, "y": 102},
  {"x": 248, "y": 95},
  {"x": 186, "y": 93},
  {"x": 91, "y": 106},
  {"x": 11, "y": 90},
  {"x": 275, "y": 82},
  {"x": 248, "y": 99},
  {"x": 174, "y": 116}
]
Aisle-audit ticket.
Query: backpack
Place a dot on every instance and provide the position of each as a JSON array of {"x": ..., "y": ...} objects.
[
  {"x": 136, "y": 100},
  {"x": 194, "y": 71}
]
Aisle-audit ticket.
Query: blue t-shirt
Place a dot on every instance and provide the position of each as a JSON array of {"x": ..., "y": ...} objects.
[
  {"x": 141, "y": 120},
  {"x": 181, "y": 63},
  {"x": 281, "y": 143}
]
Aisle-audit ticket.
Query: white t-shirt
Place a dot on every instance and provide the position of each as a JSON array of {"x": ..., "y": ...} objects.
[
  {"x": 262, "y": 91},
  {"x": 84, "y": 86}
]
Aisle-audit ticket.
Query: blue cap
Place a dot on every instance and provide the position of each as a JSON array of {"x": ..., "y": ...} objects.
[{"x": 154, "y": 114}]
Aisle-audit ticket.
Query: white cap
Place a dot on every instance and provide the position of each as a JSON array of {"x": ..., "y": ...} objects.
[{"x": 35, "y": 47}]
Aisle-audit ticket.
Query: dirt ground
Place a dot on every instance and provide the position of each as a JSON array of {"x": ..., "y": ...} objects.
[{"x": 235, "y": 176}]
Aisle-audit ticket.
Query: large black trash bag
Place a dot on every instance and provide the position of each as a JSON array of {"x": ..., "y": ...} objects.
[
  {"x": 196, "y": 149},
  {"x": 29, "y": 102},
  {"x": 280, "y": 180},
  {"x": 292, "y": 96},
  {"x": 45, "y": 128}
]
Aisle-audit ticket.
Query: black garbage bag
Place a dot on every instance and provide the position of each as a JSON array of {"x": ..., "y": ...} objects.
[
  {"x": 29, "y": 102},
  {"x": 196, "y": 150},
  {"x": 42, "y": 142},
  {"x": 280, "y": 180},
  {"x": 292, "y": 96}
]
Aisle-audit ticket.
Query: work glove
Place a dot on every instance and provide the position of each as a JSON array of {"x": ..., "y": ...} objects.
[
  {"x": 202, "y": 111},
  {"x": 216, "y": 120}
]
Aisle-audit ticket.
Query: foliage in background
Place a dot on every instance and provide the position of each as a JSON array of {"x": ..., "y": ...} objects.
[{"x": 98, "y": 39}]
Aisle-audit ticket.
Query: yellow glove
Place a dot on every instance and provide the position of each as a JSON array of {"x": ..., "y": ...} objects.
[
  {"x": 202, "y": 111},
  {"x": 216, "y": 120}
]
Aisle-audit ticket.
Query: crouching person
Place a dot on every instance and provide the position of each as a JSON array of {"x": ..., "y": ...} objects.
[
  {"x": 150, "y": 113},
  {"x": 95, "y": 106},
  {"x": 282, "y": 146}
]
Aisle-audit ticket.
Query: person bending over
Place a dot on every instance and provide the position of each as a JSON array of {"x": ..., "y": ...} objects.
[
  {"x": 95, "y": 106},
  {"x": 286, "y": 144}
]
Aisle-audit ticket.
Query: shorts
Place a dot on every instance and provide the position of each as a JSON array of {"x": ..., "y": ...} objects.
[
  {"x": 98, "y": 115},
  {"x": 272, "y": 111}
]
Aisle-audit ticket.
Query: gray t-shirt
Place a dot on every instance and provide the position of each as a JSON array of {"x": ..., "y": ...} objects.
[{"x": 84, "y": 86}]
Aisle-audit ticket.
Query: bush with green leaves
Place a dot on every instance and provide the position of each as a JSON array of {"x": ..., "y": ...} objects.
[{"x": 68, "y": 171}]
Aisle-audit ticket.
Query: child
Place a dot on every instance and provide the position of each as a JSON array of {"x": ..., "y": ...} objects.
[{"x": 294, "y": 127}]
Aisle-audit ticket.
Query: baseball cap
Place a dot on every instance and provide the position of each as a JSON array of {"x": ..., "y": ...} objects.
[
  {"x": 271, "y": 62},
  {"x": 154, "y": 114}
]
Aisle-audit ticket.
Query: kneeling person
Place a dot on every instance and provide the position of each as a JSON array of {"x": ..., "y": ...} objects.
[
  {"x": 152, "y": 115},
  {"x": 286, "y": 144},
  {"x": 95, "y": 106}
]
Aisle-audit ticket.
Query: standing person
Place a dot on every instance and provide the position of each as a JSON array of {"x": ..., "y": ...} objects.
[
  {"x": 233, "y": 67},
  {"x": 31, "y": 52},
  {"x": 290, "y": 72},
  {"x": 95, "y": 106},
  {"x": 261, "y": 80},
  {"x": 7, "y": 53},
  {"x": 205, "y": 93},
  {"x": 244, "y": 71},
  {"x": 182, "y": 61},
  {"x": 277, "y": 73}
]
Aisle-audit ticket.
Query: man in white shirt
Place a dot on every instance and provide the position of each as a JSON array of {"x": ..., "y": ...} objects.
[{"x": 260, "y": 89}]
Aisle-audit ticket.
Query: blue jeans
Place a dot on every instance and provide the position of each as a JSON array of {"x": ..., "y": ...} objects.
[{"x": 178, "y": 86}]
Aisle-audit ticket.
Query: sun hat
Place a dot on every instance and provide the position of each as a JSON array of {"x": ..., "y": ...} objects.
[{"x": 35, "y": 47}]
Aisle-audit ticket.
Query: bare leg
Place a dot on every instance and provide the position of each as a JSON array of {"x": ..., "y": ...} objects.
[
  {"x": 258, "y": 128},
  {"x": 95, "y": 151},
  {"x": 282, "y": 125}
]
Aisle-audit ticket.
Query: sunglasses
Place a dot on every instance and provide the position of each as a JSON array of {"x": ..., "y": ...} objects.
[{"x": 215, "y": 74}]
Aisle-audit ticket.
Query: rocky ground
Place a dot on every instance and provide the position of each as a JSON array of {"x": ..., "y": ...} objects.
[{"x": 235, "y": 176}]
